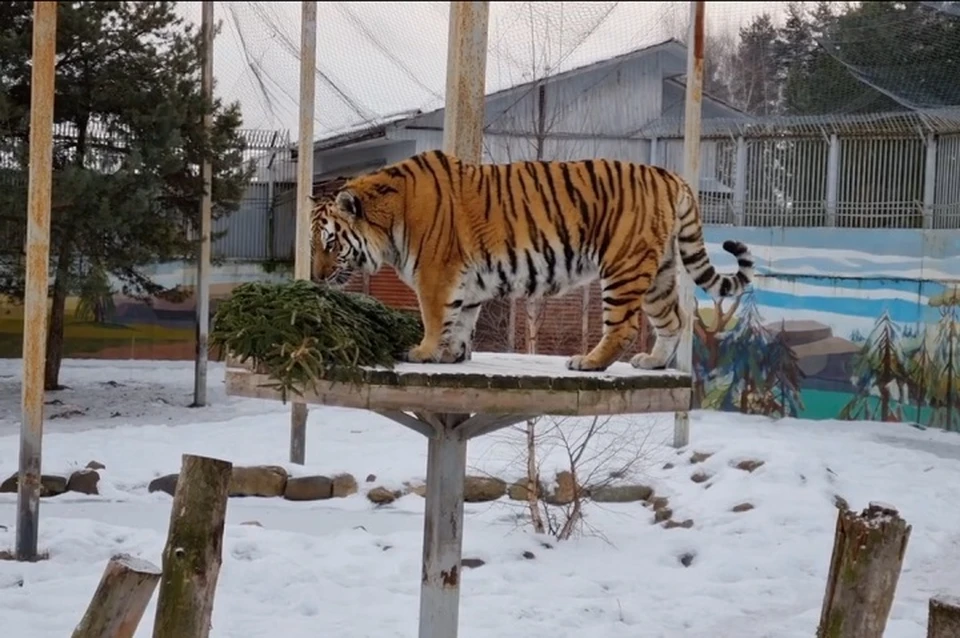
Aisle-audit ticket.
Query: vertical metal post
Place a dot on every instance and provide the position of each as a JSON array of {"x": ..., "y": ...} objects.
[
  {"x": 930, "y": 182},
  {"x": 691, "y": 173},
  {"x": 466, "y": 80},
  {"x": 301, "y": 264},
  {"x": 202, "y": 290},
  {"x": 740, "y": 183},
  {"x": 38, "y": 262},
  {"x": 443, "y": 531},
  {"x": 833, "y": 178}
]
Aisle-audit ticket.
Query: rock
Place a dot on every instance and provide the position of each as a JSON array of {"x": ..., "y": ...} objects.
[
  {"x": 700, "y": 477},
  {"x": 668, "y": 466},
  {"x": 344, "y": 485},
  {"x": 659, "y": 502},
  {"x": 480, "y": 489},
  {"x": 620, "y": 493},
  {"x": 252, "y": 523},
  {"x": 749, "y": 465},
  {"x": 672, "y": 524},
  {"x": 383, "y": 496},
  {"x": 742, "y": 507},
  {"x": 518, "y": 490},
  {"x": 472, "y": 563},
  {"x": 96, "y": 465},
  {"x": 84, "y": 482},
  {"x": 50, "y": 485},
  {"x": 420, "y": 489},
  {"x": 700, "y": 457},
  {"x": 529, "y": 555},
  {"x": 564, "y": 490},
  {"x": 686, "y": 559},
  {"x": 662, "y": 514},
  {"x": 166, "y": 484},
  {"x": 308, "y": 488},
  {"x": 258, "y": 480},
  {"x": 371, "y": 478}
]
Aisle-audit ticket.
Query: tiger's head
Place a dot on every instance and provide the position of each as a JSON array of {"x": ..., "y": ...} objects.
[{"x": 353, "y": 230}]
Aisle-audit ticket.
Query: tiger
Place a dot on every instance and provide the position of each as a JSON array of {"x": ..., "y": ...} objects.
[{"x": 460, "y": 234}]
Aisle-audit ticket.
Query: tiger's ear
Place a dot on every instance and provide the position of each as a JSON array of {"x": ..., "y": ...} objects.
[{"x": 349, "y": 203}]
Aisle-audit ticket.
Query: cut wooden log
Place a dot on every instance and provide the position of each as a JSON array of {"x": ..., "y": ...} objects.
[
  {"x": 193, "y": 553},
  {"x": 868, "y": 553},
  {"x": 120, "y": 599},
  {"x": 943, "y": 620}
]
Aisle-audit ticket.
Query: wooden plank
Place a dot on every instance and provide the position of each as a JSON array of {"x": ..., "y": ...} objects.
[
  {"x": 192, "y": 554},
  {"x": 865, "y": 567},
  {"x": 120, "y": 599},
  {"x": 943, "y": 620},
  {"x": 489, "y": 400}
]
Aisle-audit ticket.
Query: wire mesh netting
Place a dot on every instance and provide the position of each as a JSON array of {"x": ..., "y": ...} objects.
[{"x": 815, "y": 113}]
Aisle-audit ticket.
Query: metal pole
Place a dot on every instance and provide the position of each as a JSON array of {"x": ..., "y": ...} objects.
[
  {"x": 202, "y": 290},
  {"x": 466, "y": 84},
  {"x": 466, "y": 80},
  {"x": 691, "y": 173},
  {"x": 301, "y": 266},
  {"x": 38, "y": 263}
]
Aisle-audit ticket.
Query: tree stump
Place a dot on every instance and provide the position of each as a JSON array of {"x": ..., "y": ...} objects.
[
  {"x": 943, "y": 620},
  {"x": 192, "y": 555},
  {"x": 120, "y": 599},
  {"x": 868, "y": 553}
]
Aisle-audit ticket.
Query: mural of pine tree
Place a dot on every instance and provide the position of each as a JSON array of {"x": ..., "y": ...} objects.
[
  {"x": 948, "y": 363},
  {"x": 879, "y": 364},
  {"x": 743, "y": 359},
  {"x": 920, "y": 374},
  {"x": 784, "y": 375}
]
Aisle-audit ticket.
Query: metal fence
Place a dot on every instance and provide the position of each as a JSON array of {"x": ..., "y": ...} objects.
[
  {"x": 246, "y": 232},
  {"x": 879, "y": 171}
]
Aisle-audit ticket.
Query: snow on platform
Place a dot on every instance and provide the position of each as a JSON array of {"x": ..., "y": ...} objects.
[{"x": 345, "y": 568}]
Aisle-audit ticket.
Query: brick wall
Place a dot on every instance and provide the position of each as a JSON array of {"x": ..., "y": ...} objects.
[{"x": 561, "y": 326}]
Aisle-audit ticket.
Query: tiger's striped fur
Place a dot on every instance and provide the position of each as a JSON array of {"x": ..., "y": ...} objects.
[{"x": 460, "y": 234}]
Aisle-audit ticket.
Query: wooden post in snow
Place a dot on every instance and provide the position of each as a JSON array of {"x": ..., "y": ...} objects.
[
  {"x": 868, "y": 553},
  {"x": 192, "y": 555},
  {"x": 121, "y": 598},
  {"x": 943, "y": 620}
]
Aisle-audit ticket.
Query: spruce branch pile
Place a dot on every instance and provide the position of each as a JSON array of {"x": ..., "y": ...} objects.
[{"x": 297, "y": 331}]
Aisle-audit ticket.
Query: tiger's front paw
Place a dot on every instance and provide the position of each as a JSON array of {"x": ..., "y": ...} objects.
[
  {"x": 646, "y": 361},
  {"x": 440, "y": 355},
  {"x": 584, "y": 364}
]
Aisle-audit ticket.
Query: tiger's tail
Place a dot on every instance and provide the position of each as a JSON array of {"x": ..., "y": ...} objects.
[{"x": 696, "y": 261}]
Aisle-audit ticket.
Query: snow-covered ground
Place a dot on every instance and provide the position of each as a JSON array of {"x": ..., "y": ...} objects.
[{"x": 344, "y": 568}]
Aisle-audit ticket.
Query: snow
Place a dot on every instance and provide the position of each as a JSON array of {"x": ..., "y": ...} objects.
[
  {"x": 538, "y": 365},
  {"x": 345, "y": 568}
]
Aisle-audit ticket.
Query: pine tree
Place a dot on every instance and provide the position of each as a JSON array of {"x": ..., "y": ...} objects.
[
  {"x": 784, "y": 375},
  {"x": 879, "y": 364},
  {"x": 126, "y": 186}
]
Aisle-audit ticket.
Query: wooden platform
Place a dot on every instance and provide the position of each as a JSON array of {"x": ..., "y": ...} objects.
[{"x": 490, "y": 383}]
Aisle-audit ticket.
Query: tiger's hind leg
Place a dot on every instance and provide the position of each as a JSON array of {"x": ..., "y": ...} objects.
[
  {"x": 661, "y": 305},
  {"x": 623, "y": 294},
  {"x": 461, "y": 334}
]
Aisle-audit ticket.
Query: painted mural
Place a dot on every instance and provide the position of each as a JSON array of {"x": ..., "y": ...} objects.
[
  {"x": 103, "y": 324},
  {"x": 840, "y": 324}
]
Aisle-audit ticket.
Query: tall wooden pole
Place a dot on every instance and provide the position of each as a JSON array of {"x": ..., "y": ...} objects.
[
  {"x": 202, "y": 291},
  {"x": 691, "y": 173},
  {"x": 38, "y": 264},
  {"x": 301, "y": 266}
]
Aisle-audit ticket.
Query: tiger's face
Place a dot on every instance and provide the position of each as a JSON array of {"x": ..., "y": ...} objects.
[{"x": 344, "y": 241}]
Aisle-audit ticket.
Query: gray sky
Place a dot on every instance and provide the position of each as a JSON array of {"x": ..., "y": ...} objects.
[{"x": 381, "y": 58}]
